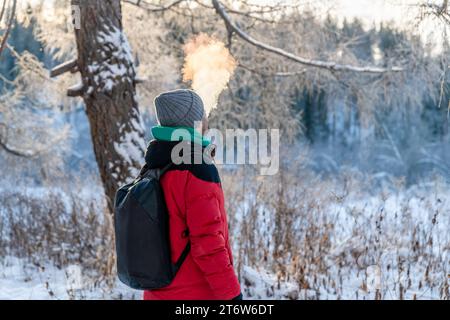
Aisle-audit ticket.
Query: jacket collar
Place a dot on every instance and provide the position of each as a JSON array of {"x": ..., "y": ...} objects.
[
  {"x": 179, "y": 134},
  {"x": 159, "y": 153}
]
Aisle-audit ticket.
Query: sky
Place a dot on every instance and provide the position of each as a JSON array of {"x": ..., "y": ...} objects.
[
  {"x": 369, "y": 10},
  {"x": 374, "y": 10}
]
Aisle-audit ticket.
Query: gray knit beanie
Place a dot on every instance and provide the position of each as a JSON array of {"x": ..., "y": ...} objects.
[{"x": 179, "y": 108}]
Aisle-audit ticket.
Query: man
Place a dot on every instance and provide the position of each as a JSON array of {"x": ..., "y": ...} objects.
[{"x": 195, "y": 203}]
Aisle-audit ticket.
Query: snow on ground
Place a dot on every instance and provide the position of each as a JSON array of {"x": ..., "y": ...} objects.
[
  {"x": 392, "y": 245},
  {"x": 20, "y": 280},
  {"x": 381, "y": 232}
]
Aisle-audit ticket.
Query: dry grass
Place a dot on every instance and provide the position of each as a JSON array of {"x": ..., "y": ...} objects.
[
  {"x": 338, "y": 239},
  {"x": 60, "y": 228},
  {"x": 318, "y": 238}
]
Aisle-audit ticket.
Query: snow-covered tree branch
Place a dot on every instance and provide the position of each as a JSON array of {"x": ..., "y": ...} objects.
[
  {"x": 153, "y": 7},
  {"x": 440, "y": 11},
  {"x": 330, "y": 65}
]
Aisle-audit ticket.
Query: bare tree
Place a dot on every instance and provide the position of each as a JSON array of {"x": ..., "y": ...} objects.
[
  {"x": 108, "y": 76},
  {"x": 430, "y": 10},
  {"x": 331, "y": 65},
  {"x": 154, "y": 7},
  {"x": 9, "y": 22},
  {"x": 23, "y": 132},
  {"x": 105, "y": 63},
  {"x": 439, "y": 11},
  {"x": 8, "y": 11},
  {"x": 233, "y": 28}
]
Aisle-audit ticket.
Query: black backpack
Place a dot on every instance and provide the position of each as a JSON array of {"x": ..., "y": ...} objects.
[{"x": 141, "y": 224}]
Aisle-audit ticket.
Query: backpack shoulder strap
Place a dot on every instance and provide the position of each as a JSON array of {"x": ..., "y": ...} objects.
[
  {"x": 182, "y": 257},
  {"x": 165, "y": 169},
  {"x": 154, "y": 173}
]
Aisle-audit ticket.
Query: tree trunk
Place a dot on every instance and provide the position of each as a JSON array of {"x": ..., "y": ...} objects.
[{"x": 108, "y": 89}]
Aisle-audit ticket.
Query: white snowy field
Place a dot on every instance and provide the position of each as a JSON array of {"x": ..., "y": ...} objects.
[
  {"x": 388, "y": 245},
  {"x": 22, "y": 280}
]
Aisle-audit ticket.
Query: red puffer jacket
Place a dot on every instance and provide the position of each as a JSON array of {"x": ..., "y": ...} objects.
[{"x": 195, "y": 203}]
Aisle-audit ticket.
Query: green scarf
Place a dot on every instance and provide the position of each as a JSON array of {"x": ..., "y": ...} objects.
[{"x": 166, "y": 134}]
